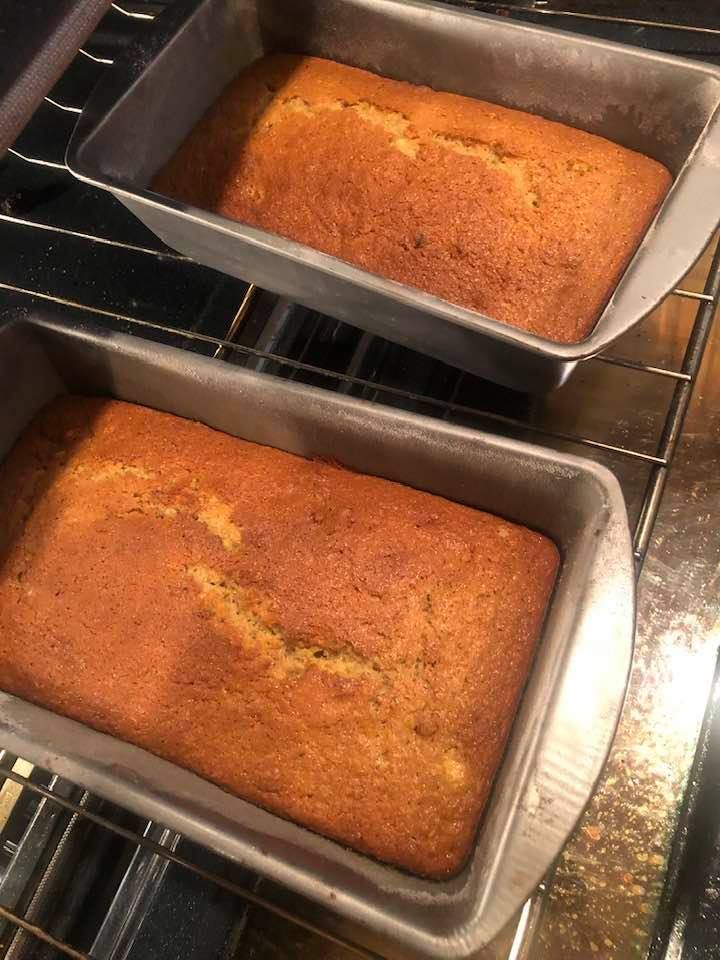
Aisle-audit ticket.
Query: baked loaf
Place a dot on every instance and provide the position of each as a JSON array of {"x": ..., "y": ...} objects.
[
  {"x": 342, "y": 650},
  {"x": 528, "y": 221}
]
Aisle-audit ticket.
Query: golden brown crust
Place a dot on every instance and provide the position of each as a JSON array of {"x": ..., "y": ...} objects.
[
  {"x": 528, "y": 221},
  {"x": 342, "y": 650}
]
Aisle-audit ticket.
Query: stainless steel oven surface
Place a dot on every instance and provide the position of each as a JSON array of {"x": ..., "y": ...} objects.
[{"x": 82, "y": 874}]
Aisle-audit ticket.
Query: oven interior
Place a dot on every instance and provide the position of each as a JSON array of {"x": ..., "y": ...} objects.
[{"x": 80, "y": 877}]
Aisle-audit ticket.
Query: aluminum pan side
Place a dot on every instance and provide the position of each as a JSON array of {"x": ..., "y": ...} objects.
[{"x": 570, "y": 707}]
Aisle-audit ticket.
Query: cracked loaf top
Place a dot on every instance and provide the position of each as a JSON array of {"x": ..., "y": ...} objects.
[
  {"x": 344, "y": 651},
  {"x": 528, "y": 221}
]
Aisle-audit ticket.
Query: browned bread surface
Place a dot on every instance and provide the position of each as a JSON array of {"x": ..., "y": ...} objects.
[
  {"x": 528, "y": 221},
  {"x": 342, "y": 650}
]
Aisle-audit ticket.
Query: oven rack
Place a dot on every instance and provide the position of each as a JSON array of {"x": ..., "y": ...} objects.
[{"x": 237, "y": 336}]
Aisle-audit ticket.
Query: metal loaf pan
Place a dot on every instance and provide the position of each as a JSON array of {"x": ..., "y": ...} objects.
[
  {"x": 660, "y": 105},
  {"x": 571, "y": 704}
]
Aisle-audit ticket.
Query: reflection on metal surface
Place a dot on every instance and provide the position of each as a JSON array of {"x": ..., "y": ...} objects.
[
  {"x": 135, "y": 896},
  {"x": 608, "y": 882},
  {"x": 11, "y": 791}
]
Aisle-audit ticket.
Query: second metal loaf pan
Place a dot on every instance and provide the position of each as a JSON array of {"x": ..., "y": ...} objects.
[
  {"x": 660, "y": 105},
  {"x": 567, "y": 718}
]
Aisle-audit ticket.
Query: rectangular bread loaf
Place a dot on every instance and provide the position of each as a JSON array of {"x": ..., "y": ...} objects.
[
  {"x": 525, "y": 220},
  {"x": 342, "y": 650}
]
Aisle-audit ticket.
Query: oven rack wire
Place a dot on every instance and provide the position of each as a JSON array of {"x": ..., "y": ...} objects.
[{"x": 225, "y": 347}]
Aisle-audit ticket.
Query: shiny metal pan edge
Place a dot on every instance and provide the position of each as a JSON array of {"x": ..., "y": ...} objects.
[
  {"x": 570, "y": 707},
  {"x": 662, "y": 105}
]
